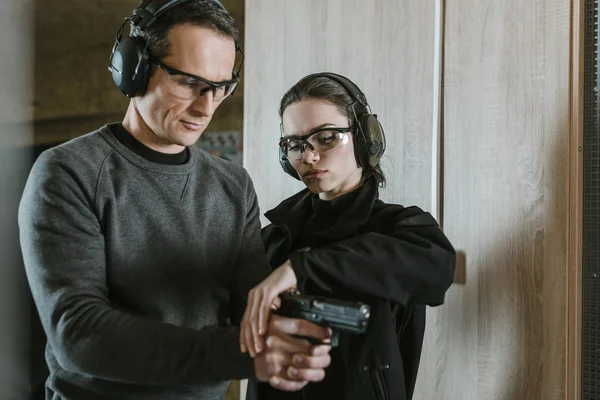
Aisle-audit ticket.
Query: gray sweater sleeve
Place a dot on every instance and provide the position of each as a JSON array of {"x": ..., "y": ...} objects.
[
  {"x": 252, "y": 265},
  {"x": 64, "y": 254}
]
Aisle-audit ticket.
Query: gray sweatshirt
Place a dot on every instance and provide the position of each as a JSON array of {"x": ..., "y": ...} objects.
[{"x": 140, "y": 271}]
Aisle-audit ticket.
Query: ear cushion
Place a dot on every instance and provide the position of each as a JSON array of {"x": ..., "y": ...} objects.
[
  {"x": 287, "y": 166},
  {"x": 374, "y": 145},
  {"x": 124, "y": 63}
]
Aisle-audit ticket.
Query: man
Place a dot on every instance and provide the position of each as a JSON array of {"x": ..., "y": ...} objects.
[{"x": 139, "y": 248}]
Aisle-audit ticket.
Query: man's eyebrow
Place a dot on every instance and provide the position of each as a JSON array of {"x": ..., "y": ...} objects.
[{"x": 200, "y": 79}]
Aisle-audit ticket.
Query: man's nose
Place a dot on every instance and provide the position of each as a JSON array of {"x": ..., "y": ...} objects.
[{"x": 204, "y": 104}]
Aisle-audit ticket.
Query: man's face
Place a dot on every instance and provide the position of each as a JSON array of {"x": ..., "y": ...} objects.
[{"x": 174, "y": 117}]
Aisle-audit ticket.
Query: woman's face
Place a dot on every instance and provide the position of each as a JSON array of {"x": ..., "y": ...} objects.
[{"x": 331, "y": 173}]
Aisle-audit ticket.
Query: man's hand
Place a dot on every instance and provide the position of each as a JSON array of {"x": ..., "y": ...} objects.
[{"x": 290, "y": 363}]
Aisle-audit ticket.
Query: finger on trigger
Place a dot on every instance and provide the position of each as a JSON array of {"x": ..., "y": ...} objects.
[
  {"x": 300, "y": 327},
  {"x": 287, "y": 344}
]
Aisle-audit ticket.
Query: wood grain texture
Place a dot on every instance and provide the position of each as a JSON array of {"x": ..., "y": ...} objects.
[
  {"x": 575, "y": 222},
  {"x": 502, "y": 335},
  {"x": 385, "y": 47}
]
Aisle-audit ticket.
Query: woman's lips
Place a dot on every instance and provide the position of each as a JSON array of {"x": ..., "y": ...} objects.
[{"x": 314, "y": 174}]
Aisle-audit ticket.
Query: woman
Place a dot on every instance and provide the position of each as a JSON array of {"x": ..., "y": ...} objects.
[{"x": 336, "y": 239}]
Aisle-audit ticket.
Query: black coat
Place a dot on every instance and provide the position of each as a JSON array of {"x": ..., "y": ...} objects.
[{"x": 395, "y": 259}]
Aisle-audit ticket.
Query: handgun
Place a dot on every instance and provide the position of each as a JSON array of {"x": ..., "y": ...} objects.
[{"x": 339, "y": 315}]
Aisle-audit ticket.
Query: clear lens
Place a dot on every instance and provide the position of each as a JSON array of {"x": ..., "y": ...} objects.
[
  {"x": 320, "y": 142},
  {"x": 189, "y": 88}
]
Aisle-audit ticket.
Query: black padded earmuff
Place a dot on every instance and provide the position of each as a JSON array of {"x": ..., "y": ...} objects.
[
  {"x": 286, "y": 165},
  {"x": 369, "y": 143},
  {"x": 130, "y": 63}
]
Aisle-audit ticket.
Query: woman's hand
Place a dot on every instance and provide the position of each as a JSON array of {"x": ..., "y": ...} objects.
[{"x": 261, "y": 300}]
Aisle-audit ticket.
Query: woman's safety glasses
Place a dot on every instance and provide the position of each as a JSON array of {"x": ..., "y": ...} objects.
[{"x": 320, "y": 142}]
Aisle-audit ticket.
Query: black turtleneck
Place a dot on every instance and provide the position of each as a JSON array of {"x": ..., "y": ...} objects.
[
  {"x": 129, "y": 141},
  {"x": 325, "y": 213}
]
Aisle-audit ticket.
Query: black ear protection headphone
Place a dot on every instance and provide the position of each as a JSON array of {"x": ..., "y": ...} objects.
[
  {"x": 369, "y": 143},
  {"x": 130, "y": 63}
]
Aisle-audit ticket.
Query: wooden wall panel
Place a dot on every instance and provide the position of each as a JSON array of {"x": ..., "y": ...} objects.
[
  {"x": 506, "y": 98},
  {"x": 575, "y": 340},
  {"x": 506, "y": 135},
  {"x": 385, "y": 47}
]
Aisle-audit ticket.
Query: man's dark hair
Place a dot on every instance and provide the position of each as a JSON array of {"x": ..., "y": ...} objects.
[{"x": 205, "y": 13}]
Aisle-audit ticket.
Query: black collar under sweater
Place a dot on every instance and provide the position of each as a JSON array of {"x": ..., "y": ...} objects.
[{"x": 129, "y": 141}]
